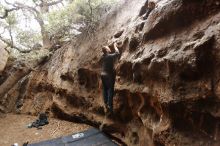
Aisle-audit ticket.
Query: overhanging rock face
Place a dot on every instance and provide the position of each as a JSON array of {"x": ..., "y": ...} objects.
[{"x": 91, "y": 137}]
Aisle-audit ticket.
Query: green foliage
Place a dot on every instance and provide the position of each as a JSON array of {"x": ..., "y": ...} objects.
[
  {"x": 61, "y": 22},
  {"x": 35, "y": 1},
  {"x": 93, "y": 10},
  {"x": 11, "y": 19},
  {"x": 2, "y": 10},
  {"x": 28, "y": 38},
  {"x": 82, "y": 12}
]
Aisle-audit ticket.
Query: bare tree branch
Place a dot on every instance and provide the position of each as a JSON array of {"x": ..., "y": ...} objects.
[
  {"x": 11, "y": 37},
  {"x": 8, "y": 11},
  {"x": 23, "y": 6},
  {"x": 18, "y": 5},
  {"x": 91, "y": 9},
  {"x": 54, "y": 3},
  {"x": 44, "y": 8},
  {"x": 6, "y": 49},
  {"x": 44, "y": 5},
  {"x": 11, "y": 4}
]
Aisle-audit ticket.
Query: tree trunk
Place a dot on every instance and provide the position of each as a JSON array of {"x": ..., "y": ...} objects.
[
  {"x": 45, "y": 37},
  {"x": 44, "y": 33}
]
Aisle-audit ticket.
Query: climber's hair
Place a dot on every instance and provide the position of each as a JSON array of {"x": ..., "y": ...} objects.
[
  {"x": 106, "y": 49},
  {"x": 151, "y": 5}
]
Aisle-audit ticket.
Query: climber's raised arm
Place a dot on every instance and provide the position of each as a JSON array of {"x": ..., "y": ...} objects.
[{"x": 116, "y": 48}]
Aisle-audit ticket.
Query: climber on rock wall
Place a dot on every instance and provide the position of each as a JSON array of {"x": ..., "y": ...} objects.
[
  {"x": 151, "y": 6},
  {"x": 146, "y": 9},
  {"x": 108, "y": 75}
]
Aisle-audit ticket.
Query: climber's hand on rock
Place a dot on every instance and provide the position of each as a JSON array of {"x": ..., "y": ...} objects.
[{"x": 116, "y": 47}]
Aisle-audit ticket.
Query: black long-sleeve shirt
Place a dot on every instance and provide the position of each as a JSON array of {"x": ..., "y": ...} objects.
[{"x": 108, "y": 61}]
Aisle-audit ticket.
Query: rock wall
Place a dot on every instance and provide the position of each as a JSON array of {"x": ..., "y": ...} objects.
[{"x": 167, "y": 88}]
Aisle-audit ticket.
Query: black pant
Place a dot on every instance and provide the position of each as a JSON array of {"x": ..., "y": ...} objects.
[{"x": 108, "y": 82}]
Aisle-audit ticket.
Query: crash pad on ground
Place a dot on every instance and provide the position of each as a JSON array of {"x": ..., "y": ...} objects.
[{"x": 91, "y": 137}]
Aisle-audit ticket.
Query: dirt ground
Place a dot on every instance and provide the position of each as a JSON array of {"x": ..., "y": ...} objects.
[{"x": 13, "y": 129}]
